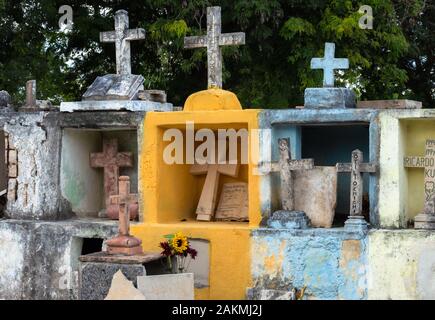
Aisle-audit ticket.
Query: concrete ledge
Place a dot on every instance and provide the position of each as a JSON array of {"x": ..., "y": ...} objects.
[{"x": 115, "y": 105}]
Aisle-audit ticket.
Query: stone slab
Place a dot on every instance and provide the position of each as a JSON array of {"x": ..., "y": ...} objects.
[
  {"x": 167, "y": 287},
  {"x": 115, "y": 105},
  {"x": 121, "y": 259},
  {"x": 389, "y": 104},
  {"x": 284, "y": 219},
  {"x": 233, "y": 203},
  {"x": 95, "y": 278},
  {"x": 123, "y": 289},
  {"x": 329, "y": 98},
  {"x": 269, "y": 294},
  {"x": 320, "y": 202},
  {"x": 114, "y": 87}
]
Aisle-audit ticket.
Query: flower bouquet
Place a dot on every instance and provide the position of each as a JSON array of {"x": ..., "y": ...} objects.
[{"x": 177, "y": 250}]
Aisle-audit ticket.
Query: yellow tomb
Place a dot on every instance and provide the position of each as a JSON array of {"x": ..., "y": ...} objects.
[{"x": 170, "y": 193}]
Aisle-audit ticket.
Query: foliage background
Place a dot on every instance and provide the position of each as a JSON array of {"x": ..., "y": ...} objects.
[{"x": 393, "y": 60}]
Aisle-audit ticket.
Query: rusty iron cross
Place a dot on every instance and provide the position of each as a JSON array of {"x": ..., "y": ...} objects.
[
  {"x": 213, "y": 41},
  {"x": 111, "y": 160}
]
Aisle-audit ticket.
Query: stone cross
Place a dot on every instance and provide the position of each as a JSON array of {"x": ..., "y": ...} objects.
[
  {"x": 285, "y": 166},
  {"x": 124, "y": 243},
  {"x": 428, "y": 163},
  {"x": 31, "y": 93},
  {"x": 328, "y": 63},
  {"x": 356, "y": 169},
  {"x": 111, "y": 160},
  {"x": 122, "y": 37},
  {"x": 207, "y": 201},
  {"x": 213, "y": 41}
]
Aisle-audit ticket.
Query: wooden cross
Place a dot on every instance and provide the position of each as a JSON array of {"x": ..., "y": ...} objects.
[
  {"x": 428, "y": 163},
  {"x": 111, "y": 160},
  {"x": 124, "y": 243},
  {"x": 207, "y": 201},
  {"x": 285, "y": 166},
  {"x": 356, "y": 169},
  {"x": 328, "y": 63},
  {"x": 122, "y": 37},
  {"x": 213, "y": 41}
]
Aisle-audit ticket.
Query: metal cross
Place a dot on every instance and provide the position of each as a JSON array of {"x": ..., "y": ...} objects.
[
  {"x": 122, "y": 37},
  {"x": 213, "y": 41},
  {"x": 328, "y": 63}
]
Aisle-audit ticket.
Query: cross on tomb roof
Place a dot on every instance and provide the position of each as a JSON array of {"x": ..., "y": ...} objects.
[
  {"x": 213, "y": 41},
  {"x": 122, "y": 37},
  {"x": 328, "y": 63}
]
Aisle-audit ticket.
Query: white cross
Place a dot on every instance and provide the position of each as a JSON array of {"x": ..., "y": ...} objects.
[
  {"x": 122, "y": 37},
  {"x": 328, "y": 63},
  {"x": 213, "y": 41}
]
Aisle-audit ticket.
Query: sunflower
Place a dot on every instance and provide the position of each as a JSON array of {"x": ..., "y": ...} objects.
[{"x": 179, "y": 242}]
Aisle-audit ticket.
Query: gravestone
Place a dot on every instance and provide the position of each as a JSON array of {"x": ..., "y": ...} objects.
[
  {"x": 287, "y": 217},
  {"x": 123, "y": 85},
  {"x": 328, "y": 96},
  {"x": 233, "y": 203},
  {"x": 111, "y": 160},
  {"x": 356, "y": 168},
  {"x": 32, "y": 104},
  {"x": 426, "y": 219},
  {"x": 213, "y": 41}
]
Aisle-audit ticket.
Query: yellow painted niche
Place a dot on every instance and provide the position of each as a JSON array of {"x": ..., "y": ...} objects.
[
  {"x": 417, "y": 132},
  {"x": 169, "y": 195}
]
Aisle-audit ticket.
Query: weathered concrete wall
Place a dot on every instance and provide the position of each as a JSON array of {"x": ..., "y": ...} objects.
[
  {"x": 37, "y": 138},
  {"x": 331, "y": 263},
  {"x": 401, "y": 264},
  {"x": 39, "y": 260}
]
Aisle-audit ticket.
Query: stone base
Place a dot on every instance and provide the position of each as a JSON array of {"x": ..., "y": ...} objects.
[
  {"x": 124, "y": 245},
  {"x": 356, "y": 223},
  {"x": 424, "y": 221},
  {"x": 332, "y": 98},
  {"x": 284, "y": 219},
  {"x": 97, "y": 270}
]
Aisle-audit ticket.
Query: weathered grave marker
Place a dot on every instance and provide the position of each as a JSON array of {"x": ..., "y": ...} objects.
[
  {"x": 356, "y": 168},
  {"x": 233, "y": 203},
  {"x": 124, "y": 243},
  {"x": 111, "y": 160},
  {"x": 213, "y": 41},
  {"x": 426, "y": 219}
]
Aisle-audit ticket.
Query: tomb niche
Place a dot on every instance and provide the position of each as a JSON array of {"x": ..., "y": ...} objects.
[{"x": 100, "y": 133}]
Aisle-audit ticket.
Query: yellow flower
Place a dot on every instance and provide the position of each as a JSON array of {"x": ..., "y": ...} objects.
[{"x": 179, "y": 242}]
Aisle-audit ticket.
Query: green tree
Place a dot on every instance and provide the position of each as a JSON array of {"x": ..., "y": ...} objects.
[{"x": 393, "y": 60}]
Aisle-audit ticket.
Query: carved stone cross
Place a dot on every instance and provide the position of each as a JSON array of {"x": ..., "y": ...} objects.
[
  {"x": 356, "y": 169},
  {"x": 207, "y": 201},
  {"x": 426, "y": 220},
  {"x": 122, "y": 37},
  {"x": 111, "y": 160},
  {"x": 124, "y": 243},
  {"x": 285, "y": 166},
  {"x": 213, "y": 41},
  {"x": 328, "y": 63}
]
